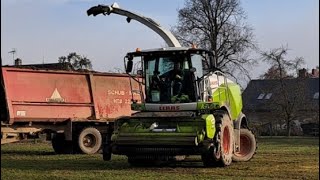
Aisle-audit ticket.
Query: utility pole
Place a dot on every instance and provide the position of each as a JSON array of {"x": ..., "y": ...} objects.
[{"x": 13, "y": 52}]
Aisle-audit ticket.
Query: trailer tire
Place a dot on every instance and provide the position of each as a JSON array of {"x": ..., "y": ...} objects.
[
  {"x": 60, "y": 145},
  {"x": 90, "y": 140},
  {"x": 248, "y": 146}
]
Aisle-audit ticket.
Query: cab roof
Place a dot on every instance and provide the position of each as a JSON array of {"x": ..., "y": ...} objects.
[{"x": 139, "y": 52}]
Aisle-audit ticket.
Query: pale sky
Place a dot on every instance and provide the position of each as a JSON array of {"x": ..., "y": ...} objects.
[{"x": 43, "y": 30}]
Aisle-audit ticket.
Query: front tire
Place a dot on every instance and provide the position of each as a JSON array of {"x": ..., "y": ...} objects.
[
  {"x": 227, "y": 141},
  {"x": 220, "y": 154},
  {"x": 248, "y": 146},
  {"x": 90, "y": 140}
]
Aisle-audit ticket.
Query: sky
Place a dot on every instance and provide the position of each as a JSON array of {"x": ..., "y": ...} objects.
[{"x": 43, "y": 30}]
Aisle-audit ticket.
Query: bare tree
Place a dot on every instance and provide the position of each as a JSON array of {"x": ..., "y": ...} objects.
[
  {"x": 218, "y": 25},
  {"x": 276, "y": 57},
  {"x": 274, "y": 73},
  {"x": 76, "y": 61},
  {"x": 290, "y": 92}
]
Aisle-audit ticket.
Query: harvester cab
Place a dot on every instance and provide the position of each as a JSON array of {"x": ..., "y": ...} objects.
[
  {"x": 188, "y": 106},
  {"x": 172, "y": 75}
]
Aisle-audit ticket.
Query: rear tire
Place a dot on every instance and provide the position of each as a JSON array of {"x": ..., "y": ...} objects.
[
  {"x": 60, "y": 145},
  {"x": 90, "y": 140},
  {"x": 248, "y": 146}
]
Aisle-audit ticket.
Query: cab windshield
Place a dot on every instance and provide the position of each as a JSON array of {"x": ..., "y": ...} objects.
[{"x": 171, "y": 78}]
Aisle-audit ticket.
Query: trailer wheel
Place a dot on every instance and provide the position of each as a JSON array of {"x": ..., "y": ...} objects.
[
  {"x": 90, "y": 140},
  {"x": 248, "y": 146},
  {"x": 60, "y": 145}
]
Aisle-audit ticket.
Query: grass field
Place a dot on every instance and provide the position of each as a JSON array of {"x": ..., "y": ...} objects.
[{"x": 276, "y": 158}]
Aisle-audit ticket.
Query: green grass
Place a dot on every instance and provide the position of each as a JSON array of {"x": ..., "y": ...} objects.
[{"x": 281, "y": 158}]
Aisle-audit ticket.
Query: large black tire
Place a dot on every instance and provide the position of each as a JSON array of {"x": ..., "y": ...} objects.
[
  {"x": 248, "y": 146},
  {"x": 90, "y": 140},
  {"x": 226, "y": 141},
  {"x": 60, "y": 145},
  {"x": 221, "y": 154}
]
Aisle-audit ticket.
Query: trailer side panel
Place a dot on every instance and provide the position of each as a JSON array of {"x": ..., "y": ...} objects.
[{"x": 47, "y": 95}]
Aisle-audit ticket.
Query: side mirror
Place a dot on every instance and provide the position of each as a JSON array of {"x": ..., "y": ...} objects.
[
  {"x": 139, "y": 72},
  {"x": 129, "y": 66},
  {"x": 193, "y": 69}
]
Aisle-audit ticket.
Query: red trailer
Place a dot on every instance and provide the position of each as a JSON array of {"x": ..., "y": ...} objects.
[{"x": 75, "y": 109}]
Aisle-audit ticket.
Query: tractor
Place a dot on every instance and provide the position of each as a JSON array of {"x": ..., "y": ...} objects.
[{"x": 188, "y": 106}]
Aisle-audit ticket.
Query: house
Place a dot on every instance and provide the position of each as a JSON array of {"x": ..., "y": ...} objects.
[
  {"x": 51, "y": 66},
  {"x": 266, "y": 100}
]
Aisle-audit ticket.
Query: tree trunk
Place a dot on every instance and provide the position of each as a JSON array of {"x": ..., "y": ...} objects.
[{"x": 288, "y": 128}]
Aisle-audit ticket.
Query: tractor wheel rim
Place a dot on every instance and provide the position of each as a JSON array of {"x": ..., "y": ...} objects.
[
  {"x": 226, "y": 140},
  {"x": 245, "y": 145}
]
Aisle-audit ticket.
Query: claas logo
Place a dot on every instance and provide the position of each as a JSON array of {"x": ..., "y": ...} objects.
[{"x": 169, "y": 108}]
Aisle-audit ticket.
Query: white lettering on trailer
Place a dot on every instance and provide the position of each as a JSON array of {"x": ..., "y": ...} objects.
[
  {"x": 21, "y": 113},
  {"x": 111, "y": 93},
  {"x": 122, "y": 101},
  {"x": 116, "y": 92},
  {"x": 117, "y": 101},
  {"x": 122, "y": 93}
]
